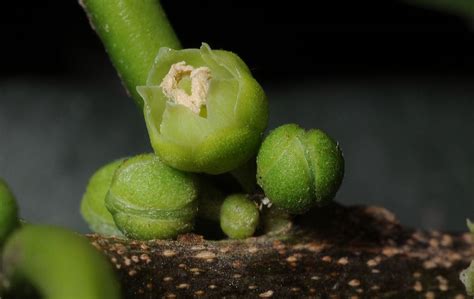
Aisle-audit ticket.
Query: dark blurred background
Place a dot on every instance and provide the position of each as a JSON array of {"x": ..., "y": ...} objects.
[{"x": 392, "y": 82}]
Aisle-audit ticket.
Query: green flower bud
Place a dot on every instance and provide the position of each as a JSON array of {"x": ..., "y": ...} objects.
[
  {"x": 8, "y": 212},
  {"x": 299, "y": 169},
  {"x": 203, "y": 109},
  {"x": 58, "y": 263},
  {"x": 93, "y": 208},
  {"x": 239, "y": 217},
  {"x": 150, "y": 200}
]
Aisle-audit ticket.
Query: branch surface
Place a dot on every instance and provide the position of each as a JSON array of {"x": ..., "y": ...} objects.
[{"x": 336, "y": 252}]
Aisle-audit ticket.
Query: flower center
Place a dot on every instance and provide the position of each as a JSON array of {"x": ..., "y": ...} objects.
[{"x": 200, "y": 81}]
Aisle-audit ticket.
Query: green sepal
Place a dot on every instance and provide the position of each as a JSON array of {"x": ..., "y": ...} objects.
[
  {"x": 327, "y": 164},
  {"x": 146, "y": 228},
  {"x": 93, "y": 208}
]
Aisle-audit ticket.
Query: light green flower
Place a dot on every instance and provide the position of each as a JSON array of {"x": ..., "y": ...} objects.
[{"x": 203, "y": 109}]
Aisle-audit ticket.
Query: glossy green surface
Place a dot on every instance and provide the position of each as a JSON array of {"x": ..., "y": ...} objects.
[
  {"x": 132, "y": 32},
  {"x": 8, "y": 212},
  {"x": 239, "y": 216},
  {"x": 59, "y": 264},
  {"x": 150, "y": 200},
  {"x": 236, "y": 114},
  {"x": 299, "y": 169},
  {"x": 93, "y": 208}
]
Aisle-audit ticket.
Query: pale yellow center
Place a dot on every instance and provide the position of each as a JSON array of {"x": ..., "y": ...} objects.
[{"x": 200, "y": 81}]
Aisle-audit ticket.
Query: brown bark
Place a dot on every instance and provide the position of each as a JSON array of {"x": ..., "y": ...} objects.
[{"x": 336, "y": 252}]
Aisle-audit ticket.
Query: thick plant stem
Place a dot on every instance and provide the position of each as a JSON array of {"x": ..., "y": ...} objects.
[{"x": 132, "y": 32}]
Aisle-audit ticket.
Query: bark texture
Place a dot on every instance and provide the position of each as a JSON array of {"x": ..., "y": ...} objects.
[{"x": 335, "y": 252}]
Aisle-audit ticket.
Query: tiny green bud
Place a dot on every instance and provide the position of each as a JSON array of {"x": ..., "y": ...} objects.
[
  {"x": 239, "y": 217},
  {"x": 149, "y": 200},
  {"x": 203, "y": 109},
  {"x": 58, "y": 263},
  {"x": 8, "y": 212},
  {"x": 93, "y": 208},
  {"x": 299, "y": 169}
]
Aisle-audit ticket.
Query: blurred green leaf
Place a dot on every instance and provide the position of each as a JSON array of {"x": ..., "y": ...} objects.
[
  {"x": 470, "y": 225},
  {"x": 460, "y": 7}
]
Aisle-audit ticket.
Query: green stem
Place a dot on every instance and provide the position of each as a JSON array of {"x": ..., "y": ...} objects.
[
  {"x": 132, "y": 32},
  {"x": 58, "y": 264}
]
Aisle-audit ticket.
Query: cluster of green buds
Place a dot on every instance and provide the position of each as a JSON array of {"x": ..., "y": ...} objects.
[{"x": 206, "y": 115}]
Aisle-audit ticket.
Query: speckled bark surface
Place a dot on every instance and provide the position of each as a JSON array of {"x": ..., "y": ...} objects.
[{"x": 336, "y": 252}]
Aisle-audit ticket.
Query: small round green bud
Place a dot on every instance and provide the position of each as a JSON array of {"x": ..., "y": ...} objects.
[
  {"x": 239, "y": 216},
  {"x": 299, "y": 169},
  {"x": 8, "y": 212},
  {"x": 150, "y": 200},
  {"x": 203, "y": 109},
  {"x": 93, "y": 208}
]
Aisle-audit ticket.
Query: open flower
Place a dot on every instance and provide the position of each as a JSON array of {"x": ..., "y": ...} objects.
[{"x": 203, "y": 109}]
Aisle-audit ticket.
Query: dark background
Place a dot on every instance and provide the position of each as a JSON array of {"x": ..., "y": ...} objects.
[{"x": 392, "y": 82}]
